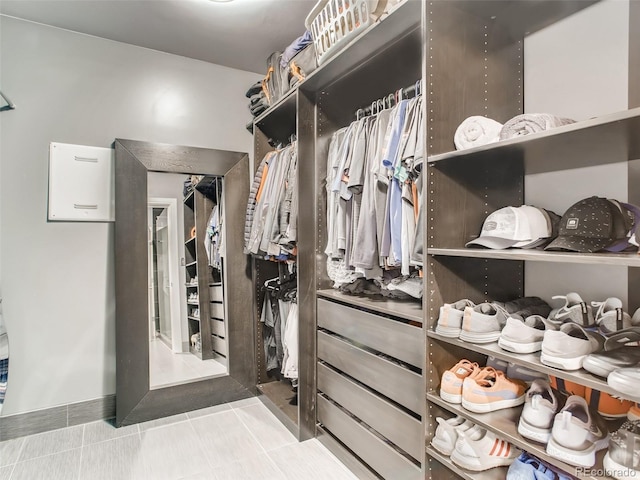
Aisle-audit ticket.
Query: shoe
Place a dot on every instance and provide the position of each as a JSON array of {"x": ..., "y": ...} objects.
[
  {"x": 541, "y": 405},
  {"x": 450, "y": 319},
  {"x": 490, "y": 390},
  {"x": 452, "y": 379},
  {"x": 605, "y": 362},
  {"x": 577, "y": 434},
  {"x": 610, "y": 317},
  {"x": 574, "y": 310},
  {"x": 528, "y": 467},
  {"x": 634, "y": 412},
  {"x": 524, "y": 335},
  {"x": 525, "y": 374},
  {"x": 566, "y": 387},
  {"x": 478, "y": 449},
  {"x": 622, "y": 461},
  {"x": 483, "y": 323},
  {"x": 625, "y": 380},
  {"x": 446, "y": 434},
  {"x": 567, "y": 347},
  {"x": 527, "y": 306},
  {"x": 607, "y": 405}
]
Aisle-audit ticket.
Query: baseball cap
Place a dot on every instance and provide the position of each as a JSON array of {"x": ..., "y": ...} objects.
[
  {"x": 513, "y": 227},
  {"x": 631, "y": 214},
  {"x": 589, "y": 226}
]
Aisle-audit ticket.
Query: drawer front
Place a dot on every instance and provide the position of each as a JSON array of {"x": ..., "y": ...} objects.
[
  {"x": 397, "y": 339},
  {"x": 217, "y": 310},
  {"x": 388, "y": 378},
  {"x": 369, "y": 447},
  {"x": 220, "y": 345},
  {"x": 217, "y": 327},
  {"x": 388, "y": 420},
  {"x": 215, "y": 293}
]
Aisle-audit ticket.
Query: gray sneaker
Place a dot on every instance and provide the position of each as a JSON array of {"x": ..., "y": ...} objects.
[
  {"x": 567, "y": 347},
  {"x": 622, "y": 461},
  {"x": 450, "y": 319},
  {"x": 610, "y": 317},
  {"x": 524, "y": 335},
  {"x": 574, "y": 310},
  {"x": 483, "y": 323}
]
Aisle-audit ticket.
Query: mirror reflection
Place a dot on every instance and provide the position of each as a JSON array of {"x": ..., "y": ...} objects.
[
  {"x": 186, "y": 278},
  {"x": 4, "y": 361}
]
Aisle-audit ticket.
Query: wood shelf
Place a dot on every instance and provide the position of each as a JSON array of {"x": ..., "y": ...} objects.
[
  {"x": 405, "y": 309},
  {"x": 504, "y": 423},
  {"x": 190, "y": 285},
  {"x": 279, "y": 121},
  {"x": 195, "y": 319},
  {"x": 532, "y": 361},
  {"x": 599, "y": 141},
  {"x": 192, "y": 264},
  {"x": 193, "y": 303},
  {"x": 499, "y": 473},
  {"x": 190, "y": 241},
  {"x": 620, "y": 259},
  {"x": 402, "y": 19}
]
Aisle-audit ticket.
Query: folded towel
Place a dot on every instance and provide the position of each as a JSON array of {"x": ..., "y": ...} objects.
[
  {"x": 531, "y": 123},
  {"x": 476, "y": 131}
]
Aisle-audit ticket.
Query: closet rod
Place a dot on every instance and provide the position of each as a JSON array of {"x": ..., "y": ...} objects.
[
  {"x": 9, "y": 106},
  {"x": 390, "y": 100}
]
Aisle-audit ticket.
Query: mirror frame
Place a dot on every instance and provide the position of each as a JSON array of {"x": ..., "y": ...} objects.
[{"x": 135, "y": 401}]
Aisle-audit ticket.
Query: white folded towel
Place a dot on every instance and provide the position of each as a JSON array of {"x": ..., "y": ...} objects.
[
  {"x": 476, "y": 131},
  {"x": 531, "y": 123}
]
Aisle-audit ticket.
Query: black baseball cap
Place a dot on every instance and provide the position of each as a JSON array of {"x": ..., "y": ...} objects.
[{"x": 589, "y": 226}]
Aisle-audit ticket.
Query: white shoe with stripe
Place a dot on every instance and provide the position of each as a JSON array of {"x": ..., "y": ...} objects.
[{"x": 478, "y": 449}]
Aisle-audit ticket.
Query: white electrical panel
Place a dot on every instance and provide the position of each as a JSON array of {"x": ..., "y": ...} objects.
[{"x": 81, "y": 183}]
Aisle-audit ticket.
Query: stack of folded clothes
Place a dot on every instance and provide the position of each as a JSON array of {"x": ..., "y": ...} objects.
[{"x": 257, "y": 99}]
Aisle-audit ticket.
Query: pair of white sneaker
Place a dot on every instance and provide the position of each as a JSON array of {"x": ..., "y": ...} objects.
[{"x": 470, "y": 446}]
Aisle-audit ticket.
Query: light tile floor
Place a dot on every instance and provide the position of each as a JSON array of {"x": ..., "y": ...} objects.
[
  {"x": 168, "y": 368},
  {"x": 235, "y": 441}
]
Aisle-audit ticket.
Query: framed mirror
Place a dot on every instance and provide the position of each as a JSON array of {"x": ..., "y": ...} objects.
[{"x": 184, "y": 325}]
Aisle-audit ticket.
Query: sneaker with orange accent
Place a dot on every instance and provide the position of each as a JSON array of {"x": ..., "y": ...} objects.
[
  {"x": 607, "y": 405},
  {"x": 452, "y": 379},
  {"x": 450, "y": 318},
  {"x": 478, "y": 449},
  {"x": 634, "y": 412},
  {"x": 490, "y": 390}
]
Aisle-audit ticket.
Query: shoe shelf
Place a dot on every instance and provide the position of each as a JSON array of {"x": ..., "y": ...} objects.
[
  {"x": 188, "y": 200},
  {"x": 620, "y": 259},
  {"x": 532, "y": 361},
  {"x": 498, "y": 473},
  {"x": 504, "y": 423},
  {"x": 190, "y": 242},
  {"x": 193, "y": 303},
  {"x": 192, "y": 264},
  {"x": 191, "y": 285},
  {"x": 195, "y": 319},
  {"x": 407, "y": 310},
  {"x": 606, "y": 139}
]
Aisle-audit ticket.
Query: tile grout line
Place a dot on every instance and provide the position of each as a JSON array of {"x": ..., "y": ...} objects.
[
  {"x": 81, "y": 453},
  {"x": 206, "y": 457},
  {"x": 250, "y": 432}
]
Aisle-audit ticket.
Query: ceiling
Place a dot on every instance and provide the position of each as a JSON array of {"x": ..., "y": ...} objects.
[{"x": 239, "y": 34}]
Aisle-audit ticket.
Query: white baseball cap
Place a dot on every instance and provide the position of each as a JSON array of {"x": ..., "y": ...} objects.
[{"x": 519, "y": 227}]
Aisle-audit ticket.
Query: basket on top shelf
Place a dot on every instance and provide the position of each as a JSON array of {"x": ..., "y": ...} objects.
[{"x": 333, "y": 23}]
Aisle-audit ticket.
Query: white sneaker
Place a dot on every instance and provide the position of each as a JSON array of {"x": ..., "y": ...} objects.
[
  {"x": 524, "y": 335},
  {"x": 450, "y": 319},
  {"x": 483, "y": 323},
  {"x": 446, "y": 434},
  {"x": 574, "y": 310},
  {"x": 478, "y": 449},
  {"x": 567, "y": 348},
  {"x": 610, "y": 317},
  {"x": 577, "y": 435},
  {"x": 540, "y": 408},
  {"x": 625, "y": 380}
]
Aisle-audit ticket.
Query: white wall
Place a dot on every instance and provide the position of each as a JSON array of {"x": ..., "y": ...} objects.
[
  {"x": 58, "y": 278},
  {"x": 578, "y": 68}
]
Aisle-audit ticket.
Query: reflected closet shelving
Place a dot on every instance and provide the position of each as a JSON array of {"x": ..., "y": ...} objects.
[{"x": 205, "y": 298}]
